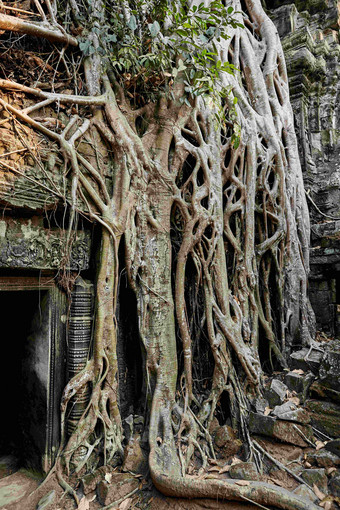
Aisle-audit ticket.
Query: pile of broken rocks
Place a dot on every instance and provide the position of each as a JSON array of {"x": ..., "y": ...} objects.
[{"x": 301, "y": 408}]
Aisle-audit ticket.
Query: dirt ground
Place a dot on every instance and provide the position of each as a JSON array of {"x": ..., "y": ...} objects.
[
  {"x": 21, "y": 491},
  {"x": 24, "y": 489}
]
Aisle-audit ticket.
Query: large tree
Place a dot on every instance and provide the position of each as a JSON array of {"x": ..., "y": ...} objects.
[{"x": 190, "y": 167}]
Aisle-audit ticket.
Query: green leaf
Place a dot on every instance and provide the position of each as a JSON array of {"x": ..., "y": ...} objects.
[
  {"x": 86, "y": 47},
  {"x": 230, "y": 10},
  {"x": 181, "y": 32},
  {"x": 181, "y": 66},
  {"x": 132, "y": 24},
  {"x": 154, "y": 28},
  {"x": 111, "y": 38},
  {"x": 203, "y": 39}
]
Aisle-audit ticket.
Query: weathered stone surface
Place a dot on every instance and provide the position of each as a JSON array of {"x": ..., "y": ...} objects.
[
  {"x": 134, "y": 458},
  {"x": 26, "y": 244},
  {"x": 120, "y": 485},
  {"x": 323, "y": 458},
  {"x": 46, "y": 501},
  {"x": 329, "y": 371},
  {"x": 223, "y": 435},
  {"x": 334, "y": 446},
  {"x": 15, "y": 488},
  {"x": 276, "y": 394},
  {"x": 306, "y": 493},
  {"x": 244, "y": 471},
  {"x": 306, "y": 360},
  {"x": 260, "y": 424},
  {"x": 288, "y": 432},
  {"x": 290, "y": 412},
  {"x": 321, "y": 390},
  {"x": 325, "y": 416},
  {"x": 334, "y": 485},
  {"x": 317, "y": 477},
  {"x": 225, "y": 438},
  {"x": 260, "y": 404},
  {"x": 299, "y": 383},
  {"x": 285, "y": 431},
  {"x": 90, "y": 481}
]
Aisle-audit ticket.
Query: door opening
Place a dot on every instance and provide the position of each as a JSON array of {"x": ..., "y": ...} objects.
[{"x": 24, "y": 372}]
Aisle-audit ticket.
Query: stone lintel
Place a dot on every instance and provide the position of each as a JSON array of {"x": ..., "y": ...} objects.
[{"x": 26, "y": 244}]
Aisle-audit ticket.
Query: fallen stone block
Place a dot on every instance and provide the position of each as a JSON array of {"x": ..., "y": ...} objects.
[
  {"x": 260, "y": 404},
  {"x": 329, "y": 371},
  {"x": 304, "y": 492},
  {"x": 134, "y": 458},
  {"x": 325, "y": 416},
  {"x": 244, "y": 471},
  {"x": 323, "y": 458},
  {"x": 334, "y": 446},
  {"x": 290, "y": 412},
  {"x": 276, "y": 394},
  {"x": 46, "y": 501},
  {"x": 90, "y": 481},
  {"x": 317, "y": 477},
  {"x": 119, "y": 486},
  {"x": 260, "y": 424},
  {"x": 322, "y": 390},
  {"x": 225, "y": 437},
  {"x": 285, "y": 431},
  {"x": 306, "y": 360},
  {"x": 300, "y": 383}
]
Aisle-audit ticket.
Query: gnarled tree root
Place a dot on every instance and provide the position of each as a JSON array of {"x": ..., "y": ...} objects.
[{"x": 258, "y": 492}]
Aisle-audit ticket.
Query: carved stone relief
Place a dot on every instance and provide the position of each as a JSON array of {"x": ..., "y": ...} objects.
[{"x": 25, "y": 245}]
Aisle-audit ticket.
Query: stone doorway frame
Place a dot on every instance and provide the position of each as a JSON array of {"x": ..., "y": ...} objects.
[{"x": 57, "y": 311}]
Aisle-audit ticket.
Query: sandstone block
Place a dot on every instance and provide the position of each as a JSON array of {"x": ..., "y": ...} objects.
[
  {"x": 290, "y": 412},
  {"x": 325, "y": 416},
  {"x": 285, "y": 431},
  {"x": 276, "y": 393},
  {"x": 306, "y": 360},
  {"x": 317, "y": 477},
  {"x": 244, "y": 471}
]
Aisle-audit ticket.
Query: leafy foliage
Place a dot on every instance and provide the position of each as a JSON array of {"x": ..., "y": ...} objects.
[{"x": 153, "y": 45}]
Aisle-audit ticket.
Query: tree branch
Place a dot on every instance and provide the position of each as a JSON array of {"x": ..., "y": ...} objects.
[
  {"x": 36, "y": 29},
  {"x": 63, "y": 98}
]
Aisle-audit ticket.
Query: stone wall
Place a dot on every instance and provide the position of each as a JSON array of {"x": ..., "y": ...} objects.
[{"x": 309, "y": 32}]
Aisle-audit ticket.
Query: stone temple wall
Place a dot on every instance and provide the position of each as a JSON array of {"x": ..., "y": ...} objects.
[{"x": 309, "y": 31}]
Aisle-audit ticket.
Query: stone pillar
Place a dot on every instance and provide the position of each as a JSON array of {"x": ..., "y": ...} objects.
[{"x": 79, "y": 344}]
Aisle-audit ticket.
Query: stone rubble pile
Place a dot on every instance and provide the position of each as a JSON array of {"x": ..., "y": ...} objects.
[{"x": 301, "y": 407}]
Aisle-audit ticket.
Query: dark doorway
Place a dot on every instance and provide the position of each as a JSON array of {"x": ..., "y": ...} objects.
[{"x": 24, "y": 366}]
